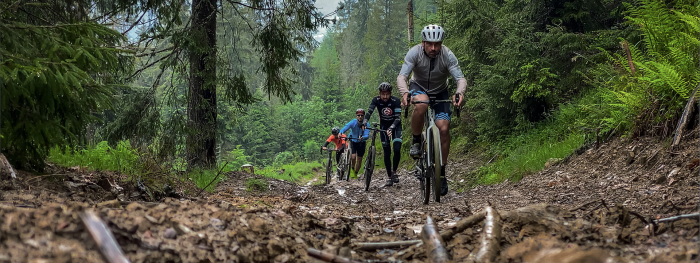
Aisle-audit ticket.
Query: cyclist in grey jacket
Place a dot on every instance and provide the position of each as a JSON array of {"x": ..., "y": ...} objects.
[{"x": 431, "y": 64}]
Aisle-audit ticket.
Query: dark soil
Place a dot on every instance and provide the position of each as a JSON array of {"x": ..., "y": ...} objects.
[{"x": 598, "y": 199}]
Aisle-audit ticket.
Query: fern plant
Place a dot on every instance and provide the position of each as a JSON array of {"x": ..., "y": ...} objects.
[{"x": 666, "y": 62}]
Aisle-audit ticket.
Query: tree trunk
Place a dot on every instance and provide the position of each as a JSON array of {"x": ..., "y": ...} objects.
[
  {"x": 409, "y": 12},
  {"x": 201, "y": 107}
]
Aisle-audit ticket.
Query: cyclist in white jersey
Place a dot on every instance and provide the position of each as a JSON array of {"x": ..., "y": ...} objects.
[{"x": 431, "y": 64}]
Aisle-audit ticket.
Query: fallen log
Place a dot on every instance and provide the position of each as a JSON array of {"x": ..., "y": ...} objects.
[
  {"x": 328, "y": 257},
  {"x": 491, "y": 237},
  {"x": 103, "y": 237},
  {"x": 382, "y": 245},
  {"x": 434, "y": 249}
]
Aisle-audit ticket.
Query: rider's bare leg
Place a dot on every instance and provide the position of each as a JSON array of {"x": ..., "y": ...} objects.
[
  {"x": 418, "y": 114},
  {"x": 444, "y": 127},
  {"x": 358, "y": 162},
  {"x": 352, "y": 162}
]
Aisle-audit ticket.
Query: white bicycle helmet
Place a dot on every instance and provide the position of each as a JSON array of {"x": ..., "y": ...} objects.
[{"x": 433, "y": 33}]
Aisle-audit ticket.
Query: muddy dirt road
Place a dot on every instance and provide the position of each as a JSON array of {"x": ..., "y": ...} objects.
[{"x": 594, "y": 207}]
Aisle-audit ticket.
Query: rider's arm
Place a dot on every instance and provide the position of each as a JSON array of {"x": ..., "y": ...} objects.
[
  {"x": 370, "y": 109},
  {"x": 329, "y": 140},
  {"x": 347, "y": 126},
  {"x": 456, "y": 73},
  {"x": 397, "y": 115},
  {"x": 365, "y": 136},
  {"x": 408, "y": 63}
]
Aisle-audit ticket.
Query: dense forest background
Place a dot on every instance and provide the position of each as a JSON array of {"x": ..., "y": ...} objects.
[{"x": 188, "y": 85}]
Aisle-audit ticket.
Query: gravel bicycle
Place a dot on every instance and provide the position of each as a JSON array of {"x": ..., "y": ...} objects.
[
  {"x": 371, "y": 154},
  {"x": 343, "y": 165},
  {"x": 429, "y": 164}
]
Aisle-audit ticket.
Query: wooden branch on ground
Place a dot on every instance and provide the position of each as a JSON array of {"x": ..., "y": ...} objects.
[
  {"x": 685, "y": 118},
  {"x": 462, "y": 225},
  {"x": 674, "y": 218},
  {"x": 217, "y": 176},
  {"x": 5, "y": 167},
  {"x": 584, "y": 205},
  {"x": 383, "y": 245},
  {"x": 434, "y": 249},
  {"x": 328, "y": 257},
  {"x": 491, "y": 237},
  {"x": 103, "y": 237}
]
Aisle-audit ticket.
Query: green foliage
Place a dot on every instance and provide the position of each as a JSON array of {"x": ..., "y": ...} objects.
[
  {"x": 523, "y": 58},
  {"x": 666, "y": 63},
  {"x": 235, "y": 159},
  {"x": 254, "y": 184},
  {"x": 292, "y": 172},
  {"x": 528, "y": 157},
  {"x": 204, "y": 177},
  {"x": 101, "y": 157},
  {"x": 283, "y": 158},
  {"x": 55, "y": 74},
  {"x": 310, "y": 150}
]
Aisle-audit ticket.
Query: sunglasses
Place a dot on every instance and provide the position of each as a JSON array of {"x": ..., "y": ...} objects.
[{"x": 360, "y": 115}]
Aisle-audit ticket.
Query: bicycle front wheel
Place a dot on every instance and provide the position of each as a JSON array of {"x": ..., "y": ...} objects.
[
  {"x": 341, "y": 167},
  {"x": 436, "y": 157},
  {"x": 329, "y": 171},
  {"x": 429, "y": 175},
  {"x": 369, "y": 167}
]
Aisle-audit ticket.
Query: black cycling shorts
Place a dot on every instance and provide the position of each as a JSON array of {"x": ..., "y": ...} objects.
[
  {"x": 442, "y": 110},
  {"x": 395, "y": 135},
  {"x": 358, "y": 148}
]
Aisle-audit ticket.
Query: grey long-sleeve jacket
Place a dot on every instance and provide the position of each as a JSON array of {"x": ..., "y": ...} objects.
[{"x": 433, "y": 81}]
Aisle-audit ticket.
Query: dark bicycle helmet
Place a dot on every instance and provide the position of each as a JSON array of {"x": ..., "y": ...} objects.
[
  {"x": 385, "y": 86},
  {"x": 335, "y": 130},
  {"x": 360, "y": 111}
]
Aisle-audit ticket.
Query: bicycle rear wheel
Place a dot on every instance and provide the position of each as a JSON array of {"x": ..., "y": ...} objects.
[
  {"x": 436, "y": 158},
  {"x": 369, "y": 167}
]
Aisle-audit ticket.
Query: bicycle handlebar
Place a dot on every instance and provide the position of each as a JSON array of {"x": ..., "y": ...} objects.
[{"x": 405, "y": 111}]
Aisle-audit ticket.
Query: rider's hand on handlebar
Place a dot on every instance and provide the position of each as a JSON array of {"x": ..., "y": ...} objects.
[
  {"x": 458, "y": 101},
  {"x": 388, "y": 132},
  {"x": 404, "y": 100},
  {"x": 325, "y": 148}
]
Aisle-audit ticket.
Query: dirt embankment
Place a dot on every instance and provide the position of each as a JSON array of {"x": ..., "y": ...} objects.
[{"x": 597, "y": 206}]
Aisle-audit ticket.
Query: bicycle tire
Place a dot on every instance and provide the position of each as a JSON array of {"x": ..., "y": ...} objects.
[
  {"x": 348, "y": 154},
  {"x": 437, "y": 160},
  {"x": 341, "y": 167},
  {"x": 347, "y": 164},
  {"x": 426, "y": 184},
  {"x": 329, "y": 171},
  {"x": 369, "y": 167}
]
